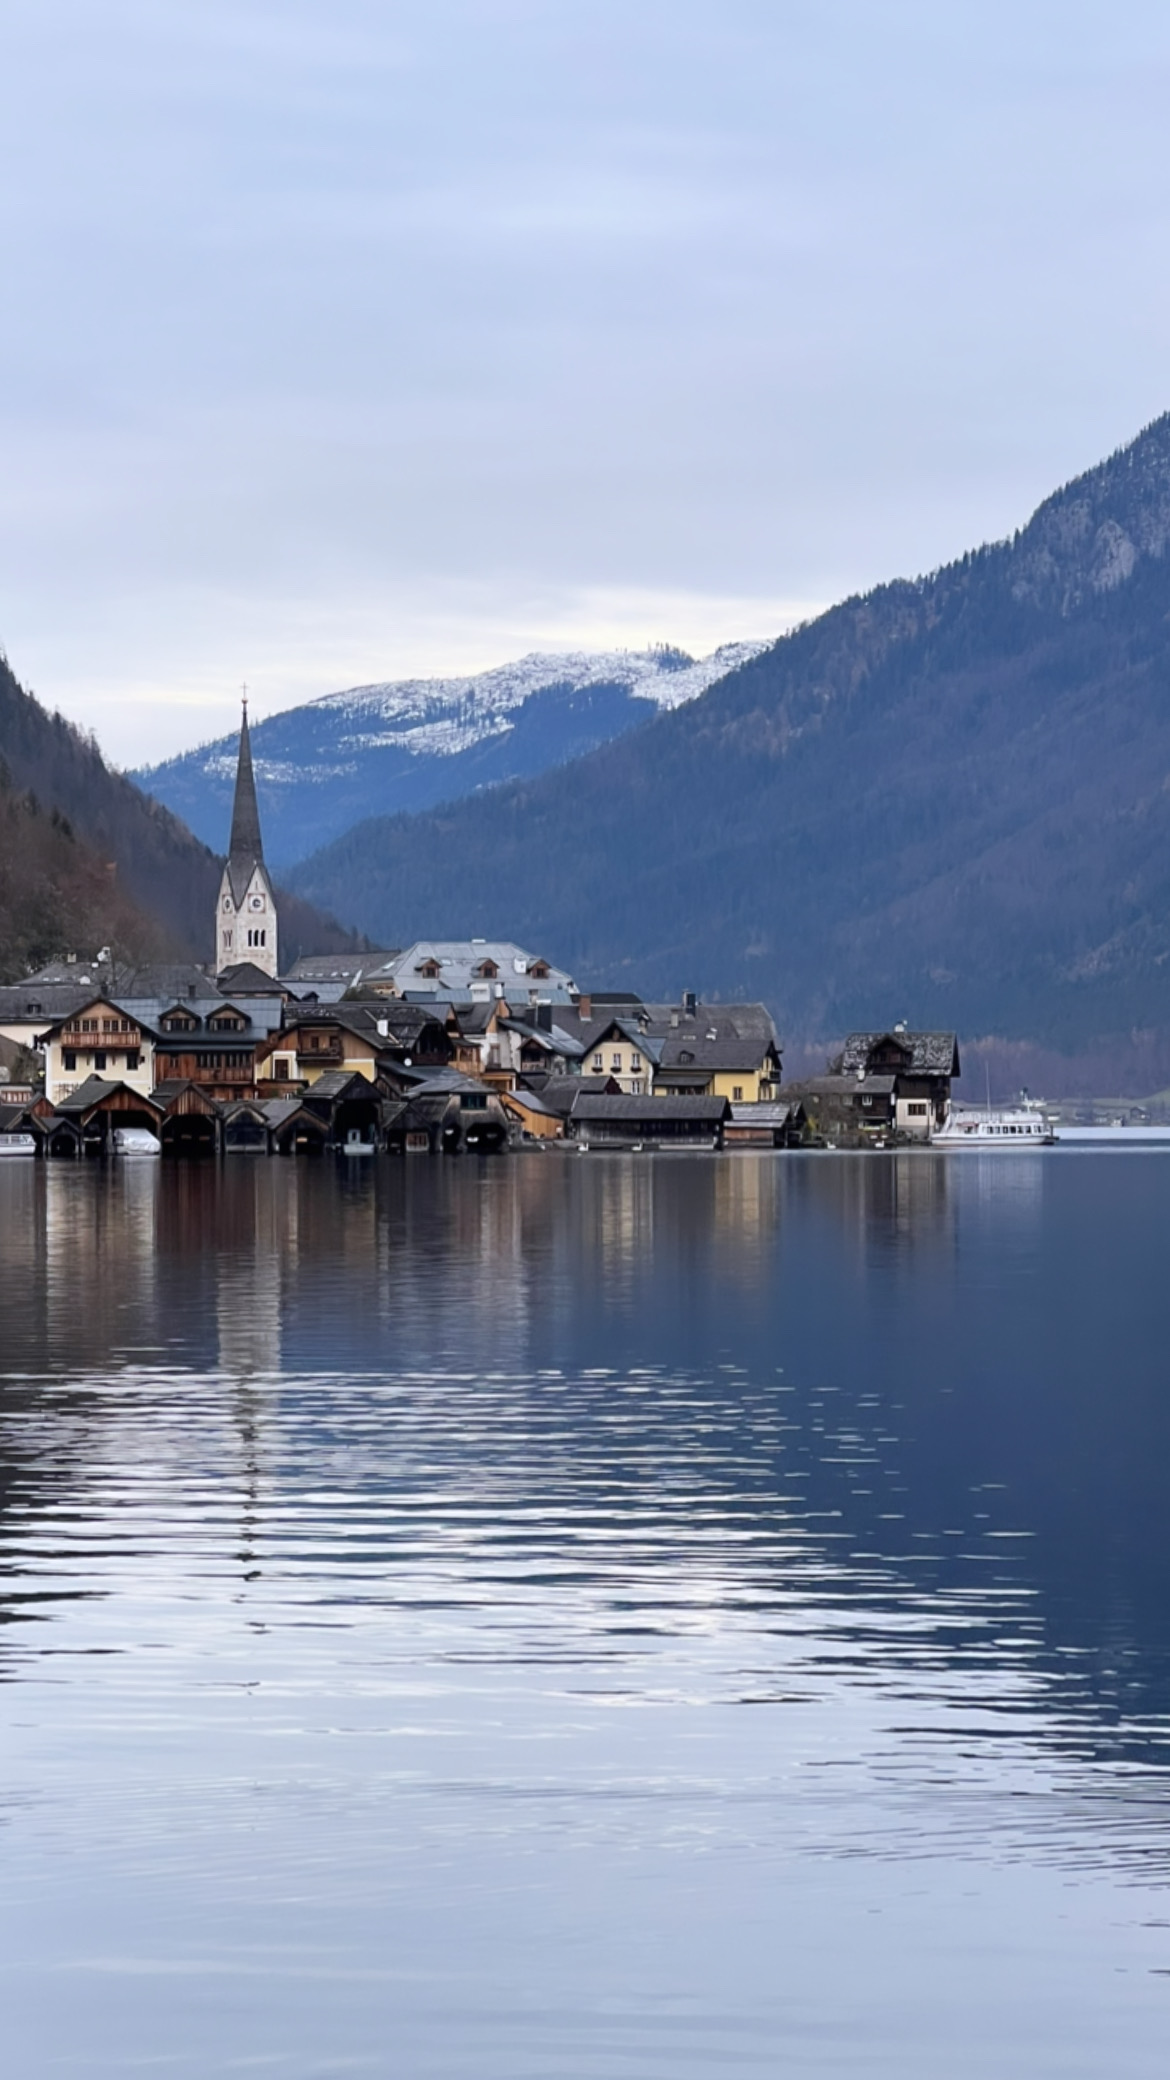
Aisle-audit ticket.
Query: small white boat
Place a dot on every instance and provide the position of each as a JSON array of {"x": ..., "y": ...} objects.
[
  {"x": 136, "y": 1141},
  {"x": 17, "y": 1145},
  {"x": 1000, "y": 1127}
]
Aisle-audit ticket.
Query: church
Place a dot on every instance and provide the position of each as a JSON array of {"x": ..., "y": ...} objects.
[{"x": 245, "y": 913}]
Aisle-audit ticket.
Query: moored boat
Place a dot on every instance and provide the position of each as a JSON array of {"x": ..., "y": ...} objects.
[{"x": 998, "y": 1127}]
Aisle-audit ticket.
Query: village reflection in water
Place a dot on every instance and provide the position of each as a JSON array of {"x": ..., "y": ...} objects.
[
  {"x": 385, "y": 1541},
  {"x": 241, "y": 1264}
]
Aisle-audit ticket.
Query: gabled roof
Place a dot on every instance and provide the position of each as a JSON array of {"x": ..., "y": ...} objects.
[
  {"x": 335, "y": 1083},
  {"x": 929, "y": 1054},
  {"x": 97, "y": 1088},
  {"x": 247, "y": 979}
]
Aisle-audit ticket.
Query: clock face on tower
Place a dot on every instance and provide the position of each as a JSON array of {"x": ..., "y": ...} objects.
[
  {"x": 257, "y": 902},
  {"x": 227, "y": 902}
]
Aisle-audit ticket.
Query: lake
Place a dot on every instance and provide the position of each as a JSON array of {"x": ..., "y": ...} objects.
[{"x": 608, "y": 1618}]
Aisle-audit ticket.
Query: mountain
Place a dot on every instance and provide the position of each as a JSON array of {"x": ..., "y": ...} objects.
[
  {"x": 56, "y": 892},
  {"x": 414, "y": 742},
  {"x": 946, "y": 801},
  {"x": 79, "y": 819}
]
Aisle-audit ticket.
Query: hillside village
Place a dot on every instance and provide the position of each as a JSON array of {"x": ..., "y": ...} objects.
[{"x": 469, "y": 1044}]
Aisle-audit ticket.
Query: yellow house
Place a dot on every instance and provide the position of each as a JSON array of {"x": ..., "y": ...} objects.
[
  {"x": 720, "y": 1051},
  {"x": 307, "y": 1046},
  {"x": 620, "y": 1049}
]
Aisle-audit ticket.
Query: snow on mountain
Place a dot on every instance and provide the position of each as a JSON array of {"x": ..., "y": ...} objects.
[{"x": 410, "y": 743}]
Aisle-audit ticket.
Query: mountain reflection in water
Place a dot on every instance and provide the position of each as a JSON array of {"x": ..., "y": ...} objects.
[{"x": 586, "y": 1617}]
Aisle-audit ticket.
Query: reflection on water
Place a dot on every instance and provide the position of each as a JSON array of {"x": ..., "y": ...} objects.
[{"x": 608, "y": 1616}]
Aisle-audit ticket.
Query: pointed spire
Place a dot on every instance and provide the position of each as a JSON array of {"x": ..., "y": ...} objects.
[{"x": 246, "y": 847}]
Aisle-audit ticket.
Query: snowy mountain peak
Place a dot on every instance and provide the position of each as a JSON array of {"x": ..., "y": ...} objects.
[
  {"x": 444, "y": 716},
  {"x": 408, "y": 743}
]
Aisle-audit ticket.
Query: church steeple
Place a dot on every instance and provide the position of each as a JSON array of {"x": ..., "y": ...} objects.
[
  {"x": 246, "y": 847},
  {"x": 245, "y": 915}
]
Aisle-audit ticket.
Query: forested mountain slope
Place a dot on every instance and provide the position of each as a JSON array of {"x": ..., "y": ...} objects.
[
  {"x": 411, "y": 743},
  {"x": 947, "y": 801},
  {"x": 152, "y": 863},
  {"x": 56, "y": 893}
]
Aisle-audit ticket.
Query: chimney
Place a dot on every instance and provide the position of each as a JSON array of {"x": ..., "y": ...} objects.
[
  {"x": 585, "y": 1006},
  {"x": 689, "y": 1002}
]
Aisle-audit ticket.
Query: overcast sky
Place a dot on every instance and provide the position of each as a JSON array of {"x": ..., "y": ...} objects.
[{"x": 340, "y": 342}]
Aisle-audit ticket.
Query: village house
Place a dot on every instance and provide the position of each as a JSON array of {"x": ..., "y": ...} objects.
[
  {"x": 100, "y": 1038},
  {"x": 923, "y": 1067}
]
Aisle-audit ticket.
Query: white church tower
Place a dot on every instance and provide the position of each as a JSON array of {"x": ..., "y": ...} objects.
[{"x": 245, "y": 916}]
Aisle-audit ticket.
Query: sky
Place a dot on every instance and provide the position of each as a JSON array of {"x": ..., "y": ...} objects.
[{"x": 345, "y": 343}]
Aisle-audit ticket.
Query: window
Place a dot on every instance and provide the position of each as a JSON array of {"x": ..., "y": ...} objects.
[
  {"x": 598, "y": 1064},
  {"x": 99, "y": 1061},
  {"x": 917, "y": 1108},
  {"x": 68, "y": 1061},
  {"x": 615, "y": 1062},
  {"x": 635, "y": 1061},
  {"x": 89, "y": 1025},
  {"x": 257, "y": 938},
  {"x": 282, "y": 1068},
  {"x": 737, "y": 1092},
  {"x": 132, "y": 1058}
]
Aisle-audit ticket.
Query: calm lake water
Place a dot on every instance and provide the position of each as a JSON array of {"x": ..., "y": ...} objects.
[{"x": 606, "y": 1619}]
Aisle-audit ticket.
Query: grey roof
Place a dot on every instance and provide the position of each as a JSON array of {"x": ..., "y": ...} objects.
[
  {"x": 333, "y": 1083},
  {"x": 554, "y": 1039},
  {"x": 683, "y": 1051},
  {"x": 28, "y": 1003},
  {"x": 458, "y": 981},
  {"x": 768, "y": 1114},
  {"x": 447, "y": 1083},
  {"x": 245, "y": 975},
  {"x": 931, "y": 1054},
  {"x": 561, "y": 1093},
  {"x": 94, "y": 1089},
  {"x": 626, "y": 1107},
  {"x": 349, "y": 968},
  {"x": 277, "y": 1110},
  {"x": 12, "y": 1115}
]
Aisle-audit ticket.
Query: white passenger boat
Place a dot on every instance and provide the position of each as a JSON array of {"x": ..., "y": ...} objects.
[
  {"x": 998, "y": 1127},
  {"x": 17, "y": 1145}
]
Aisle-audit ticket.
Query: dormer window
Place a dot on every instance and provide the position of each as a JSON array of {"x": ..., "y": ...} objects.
[
  {"x": 489, "y": 970},
  {"x": 430, "y": 968},
  {"x": 540, "y": 969}
]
